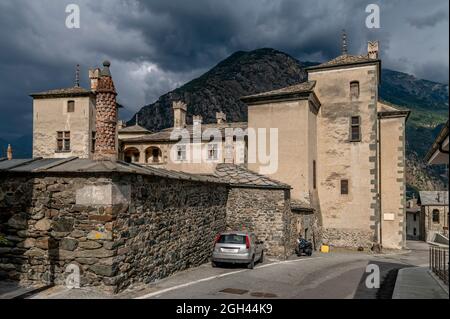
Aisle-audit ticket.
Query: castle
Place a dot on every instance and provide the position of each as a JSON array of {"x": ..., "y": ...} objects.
[{"x": 340, "y": 148}]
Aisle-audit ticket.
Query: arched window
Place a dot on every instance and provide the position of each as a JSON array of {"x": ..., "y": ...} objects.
[
  {"x": 436, "y": 217},
  {"x": 354, "y": 90},
  {"x": 153, "y": 155},
  {"x": 131, "y": 155}
]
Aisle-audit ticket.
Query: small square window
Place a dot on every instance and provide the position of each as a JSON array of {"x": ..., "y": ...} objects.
[
  {"x": 181, "y": 152},
  {"x": 63, "y": 141},
  {"x": 212, "y": 152},
  {"x": 344, "y": 187},
  {"x": 355, "y": 129},
  {"x": 70, "y": 106}
]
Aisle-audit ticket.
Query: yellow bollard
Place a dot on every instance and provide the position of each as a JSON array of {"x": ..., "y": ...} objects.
[{"x": 325, "y": 249}]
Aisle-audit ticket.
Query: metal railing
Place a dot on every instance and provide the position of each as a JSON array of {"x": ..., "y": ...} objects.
[{"x": 439, "y": 262}]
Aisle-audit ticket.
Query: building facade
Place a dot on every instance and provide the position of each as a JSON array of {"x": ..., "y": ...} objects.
[{"x": 340, "y": 148}]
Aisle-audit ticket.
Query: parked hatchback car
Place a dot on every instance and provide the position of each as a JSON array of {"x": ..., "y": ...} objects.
[{"x": 238, "y": 248}]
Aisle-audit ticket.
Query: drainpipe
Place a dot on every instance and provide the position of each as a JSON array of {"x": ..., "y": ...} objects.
[{"x": 380, "y": 219}]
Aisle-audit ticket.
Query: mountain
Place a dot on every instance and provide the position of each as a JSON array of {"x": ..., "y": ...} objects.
[{"x": 245, "y": 73}]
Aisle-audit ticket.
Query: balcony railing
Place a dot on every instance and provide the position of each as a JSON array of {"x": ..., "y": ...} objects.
[{"x": 439, "y": 262}]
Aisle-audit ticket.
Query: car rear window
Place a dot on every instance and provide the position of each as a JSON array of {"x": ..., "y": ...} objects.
[{"x": 232, "y": 239}]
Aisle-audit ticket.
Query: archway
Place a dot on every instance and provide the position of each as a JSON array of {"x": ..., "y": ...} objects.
[
  {"x": 153, "y": 155},
  {"x": 131, "y": 155}
]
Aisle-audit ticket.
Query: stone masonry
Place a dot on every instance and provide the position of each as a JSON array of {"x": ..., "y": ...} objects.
[
  {"x": 106, "y": 117},
  {"x": 119, "y": 229}
]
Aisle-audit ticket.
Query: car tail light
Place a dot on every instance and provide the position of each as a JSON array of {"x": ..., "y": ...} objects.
[
  {"x": 247, "y": 242},
  {"x": 217, "y": 238}
]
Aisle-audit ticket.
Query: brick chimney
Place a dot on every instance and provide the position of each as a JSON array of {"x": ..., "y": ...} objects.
[
  {"x": 221, "y": 117},
  {"x": 106, "y": 117},
  {"x": 94, "y": 75},
  {"x": 179, "y": 114},
  {"x": 9, "y": 152},
  {"x": 373, "y": 49}
]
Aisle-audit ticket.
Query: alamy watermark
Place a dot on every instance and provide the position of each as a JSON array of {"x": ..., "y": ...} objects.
[
  {"x": 73, "y": 17},
  {"x": 73, "y": 278},
  {"x": 373, "y": 19},
  {"x": 262, "y": 146},
  {"x": 373, "y": 278}
]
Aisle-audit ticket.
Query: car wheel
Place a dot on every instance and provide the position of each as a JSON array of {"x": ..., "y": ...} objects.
[
  {"x": 251, "y": 265},
  {"x": 213, "y": 264},
  {"x": 261, "y": 259}
]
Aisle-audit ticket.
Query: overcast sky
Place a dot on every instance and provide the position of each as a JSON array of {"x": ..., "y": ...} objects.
[{"x": 157, "y": 45}]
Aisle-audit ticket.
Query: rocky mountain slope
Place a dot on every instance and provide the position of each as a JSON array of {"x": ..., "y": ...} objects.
[{"x": 245, "y": 73}]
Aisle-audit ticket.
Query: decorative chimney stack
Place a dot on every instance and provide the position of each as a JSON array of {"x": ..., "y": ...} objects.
[
  {"x": 373, "y": 49},
  {"x": 106, "y": 117},
  {"x": 221, "y": 117},
  {"x": 94, "y": 75},
  {"x": 9, "y": 152},
  {"x": 179, "y": 114},
  {"x": 197, "y": 120}
]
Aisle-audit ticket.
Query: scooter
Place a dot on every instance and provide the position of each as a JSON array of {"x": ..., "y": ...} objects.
[{"x": 304, "y": 247}]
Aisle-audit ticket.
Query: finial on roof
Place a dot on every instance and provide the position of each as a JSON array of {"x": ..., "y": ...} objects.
[
  {"x": 105, "y": 71},
  {"x": 344, "y": 42},
  {"x": 77, "y": 76}
]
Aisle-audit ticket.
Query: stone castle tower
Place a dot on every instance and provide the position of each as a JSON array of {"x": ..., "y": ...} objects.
[{"x": 106, "y": 117}]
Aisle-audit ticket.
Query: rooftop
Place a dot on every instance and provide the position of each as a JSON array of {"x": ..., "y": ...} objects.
[
  {"x": 77, "y": 165},
  {"x": 134, "y": 129},
  {"x": 66, "y": 92},
  {"x": 386, "y": 109},
  {"x": 239, "y": 175},
  {"x": 433, "y": 198},
  {"x": 293, "y": 91},
  {"x": 164, "y": 135},
  {"x": 344, "y": 60}
]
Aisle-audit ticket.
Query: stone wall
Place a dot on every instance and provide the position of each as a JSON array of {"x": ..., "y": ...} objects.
[
  {"x": 118, "y": 229},
  {"x": 47, "y": 230},
  {"x": 170, "y": 226},
  {"x": 347, "y": 237},
  {"x": 265, "y": 212}
]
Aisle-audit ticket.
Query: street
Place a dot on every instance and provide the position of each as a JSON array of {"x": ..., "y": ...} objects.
[{"x": 339, "y": 274}]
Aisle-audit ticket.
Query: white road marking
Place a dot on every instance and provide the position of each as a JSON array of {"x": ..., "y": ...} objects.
[{"x": 156, "y": 293}]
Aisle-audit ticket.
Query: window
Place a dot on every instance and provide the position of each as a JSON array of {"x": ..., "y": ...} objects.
[
  {"x": 212, "y": 151},
  {"x": 436, "y": 217},
  {"x": 93, "y": 141},
  {"x": 70, "y": 106},
  {"x": 354, "y": 90},
  {"x": 181, "y": 152},
  {"x": 344, "y": 187},
  {"x": 355, "y": 129},
  {"x": 314, "y": 175},
  {"x": 63, "y": 141}
]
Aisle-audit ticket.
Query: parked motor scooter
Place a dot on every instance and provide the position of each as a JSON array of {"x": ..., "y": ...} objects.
[{"x": 304, "y": 247}]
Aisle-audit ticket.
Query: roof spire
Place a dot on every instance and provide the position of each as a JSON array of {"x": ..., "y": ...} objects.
[
  {"x": 344, "y": 42},
  {"x": 77, "y": 76}
]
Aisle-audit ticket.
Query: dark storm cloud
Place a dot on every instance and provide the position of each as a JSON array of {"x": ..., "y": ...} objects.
[
  {"x": 158, "y": 45},
  {"x": 430, "y": 20}
]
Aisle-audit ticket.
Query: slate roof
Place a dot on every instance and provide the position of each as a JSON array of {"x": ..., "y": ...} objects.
[
  {"x": 433, "y": 198},
  {"x": 77, "y": 165},
  {"x": 134, "y": 129},
  {"x": 343, "y": 60},
  {"x": 65, "y": 92},
  {"x": 239, "y": 175},
  {"x": 303, "y": 87},
  {"x": 386, "y": 109},
  {"x": 443, "y": 134},
  {"x": 164, "y": 135}
]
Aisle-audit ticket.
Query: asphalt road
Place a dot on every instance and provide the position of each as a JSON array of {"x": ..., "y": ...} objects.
[{"x": 339, "y": 274}]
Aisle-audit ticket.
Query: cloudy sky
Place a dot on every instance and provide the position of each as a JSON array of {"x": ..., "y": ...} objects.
[{"x": 157, "y": 45}]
